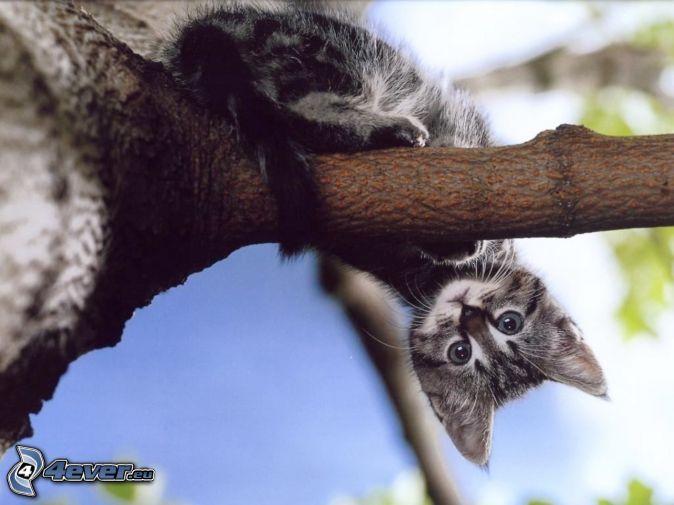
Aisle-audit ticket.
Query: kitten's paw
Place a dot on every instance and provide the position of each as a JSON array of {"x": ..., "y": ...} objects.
[
  {"x": 413, "y": 133},
  {"x": 402, "y": 132}
]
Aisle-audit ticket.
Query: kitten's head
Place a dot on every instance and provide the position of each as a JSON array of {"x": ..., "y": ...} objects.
[{"x": 491, "y": 333}]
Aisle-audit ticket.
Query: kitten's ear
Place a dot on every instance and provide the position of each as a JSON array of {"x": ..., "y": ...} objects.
[
  {"x": 572, "y": 362},
  {"x": 470, "y": 428}
]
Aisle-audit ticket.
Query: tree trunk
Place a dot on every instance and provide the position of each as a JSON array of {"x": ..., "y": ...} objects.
[{"x": 115, "y": 186}]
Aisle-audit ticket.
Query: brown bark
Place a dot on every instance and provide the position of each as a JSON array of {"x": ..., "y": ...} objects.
[
  {"x": 138, "y": 187},
  {"x": 563, "y": 182}
]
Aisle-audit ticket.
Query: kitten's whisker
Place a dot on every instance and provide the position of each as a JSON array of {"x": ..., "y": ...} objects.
[
  {"x": 421, "y": 293},
  {"x": 566, "y": 379},
  {"x": 524, "y": 356},
  {"x": 505, "y": 267},
  {"x": 424, "y": 310},
  {"x": 491, "y": 392},
  {"x": 392, "y": 346},
  {"x": 422, "y": 303},
  {"x": 475, "y": 403}
]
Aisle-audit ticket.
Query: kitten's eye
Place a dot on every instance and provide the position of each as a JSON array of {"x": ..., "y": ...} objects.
[
  {"x": 459, "y": 352},
  {"x": 510, "y": 322}
]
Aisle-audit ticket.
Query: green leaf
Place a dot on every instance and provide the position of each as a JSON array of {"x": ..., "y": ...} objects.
[
  {"x": 407, "y": 489},
  {"x": 124, "y": 492},
  {"x": 645, "y": 258},
  {"x": 656, "y": 36},
  {"x": 602, "y": 113},
  {"x": 619, "y": 111},
  {"x": 639, "y": 494}
]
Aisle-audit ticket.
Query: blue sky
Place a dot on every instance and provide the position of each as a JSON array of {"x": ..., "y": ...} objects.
[{"x": 250, "y": 362}]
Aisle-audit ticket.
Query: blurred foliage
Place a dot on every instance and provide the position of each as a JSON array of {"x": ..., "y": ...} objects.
[
  {"x": 637, "y": 494},
  {"x": 617, "y": 111},
  {"x": 122, "y": 493},
  {"x": 645, "y": 257},
  {"x": 407, "y": 489},
  {"x": 125, "y": 492},
  {"x": 656, "y": 36},
  {"x": 129, "y": 493}
]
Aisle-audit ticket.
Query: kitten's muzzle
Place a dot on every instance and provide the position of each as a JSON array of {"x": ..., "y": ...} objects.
[
  {"x": 469, "y": 312},
  {"x": 473, "y": 321}
]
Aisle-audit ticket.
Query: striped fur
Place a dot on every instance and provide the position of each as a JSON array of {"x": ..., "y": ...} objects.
[
  {"x": 461, "y": 301},
  {"x": 297, "y": 79}
]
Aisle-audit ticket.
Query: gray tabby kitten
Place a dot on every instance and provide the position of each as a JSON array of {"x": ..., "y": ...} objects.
[
  {"x": 487, "y": 331},
  {"x": 298, "y": 79}
]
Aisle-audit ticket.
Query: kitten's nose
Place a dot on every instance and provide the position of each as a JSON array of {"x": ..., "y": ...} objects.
[
  {"x": 474, "y": 322},
  {"x": 469, "y": 312}
]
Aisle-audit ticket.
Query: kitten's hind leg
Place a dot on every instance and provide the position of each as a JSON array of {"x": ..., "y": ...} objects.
[
  {"x": 209, "y": 59},
  {"x": 335, "y": 123}
]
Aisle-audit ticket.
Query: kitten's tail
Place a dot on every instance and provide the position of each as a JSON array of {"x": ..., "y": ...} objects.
[{"x": 205, "y": 56}]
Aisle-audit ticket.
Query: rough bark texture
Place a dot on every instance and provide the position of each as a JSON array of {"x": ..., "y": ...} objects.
[
  {"x": 563, "y": 182},
  {"x": 115, "y": 186}
]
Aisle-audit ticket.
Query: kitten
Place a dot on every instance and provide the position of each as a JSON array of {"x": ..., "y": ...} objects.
[
  {"x": 297, "y": 79},
  {"x": 485, "y": 331}
]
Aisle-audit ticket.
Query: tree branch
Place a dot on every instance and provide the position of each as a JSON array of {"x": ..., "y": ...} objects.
[
  {"x": 369, "y": 308},
  {"x": 133, "y": 187},
  {"x": 618, "y": 64}
]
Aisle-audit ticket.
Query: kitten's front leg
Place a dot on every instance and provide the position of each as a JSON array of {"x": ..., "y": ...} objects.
[{"x": 397, "y": 131}]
